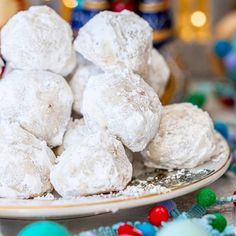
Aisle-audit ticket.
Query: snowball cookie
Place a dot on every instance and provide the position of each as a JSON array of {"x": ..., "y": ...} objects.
[
  {"x": 81, "y": 60},
  {"x": 158, "y": 72},
  {"x": 26, "y": 163},
  {"x": 40, "y": 101},
  {"x": 38, "y": 39},
  {"x": 79, "y": 81},
  {"x": 185, "y": 139},
  {"x": 97, "y": 164},
  {"x": 123, "y": 103},
  {"x": 76, "y": 131},
  {"x": 116, "y": 39}
]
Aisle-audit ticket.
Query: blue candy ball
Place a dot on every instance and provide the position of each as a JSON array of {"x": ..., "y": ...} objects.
[
  {"x": 170, "y": 205},
  {"x": 222, "y": 48},
  {"x": 44, "y": 228},
  {"x": 230, "y": 61},
  {"x": 222, "y": 129},
  {"x": 146, "y": 229}
]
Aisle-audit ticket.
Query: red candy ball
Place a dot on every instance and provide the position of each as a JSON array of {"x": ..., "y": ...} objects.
[
  {"x": 234, "y": 202},
  {"x": 157, "y": 215},
  {"x": 128, "y": 230},
  {"x": 227, "y": 101}
]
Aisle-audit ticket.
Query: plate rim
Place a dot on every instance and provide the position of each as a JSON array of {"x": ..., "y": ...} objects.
[{"x": 65, "y": 210}]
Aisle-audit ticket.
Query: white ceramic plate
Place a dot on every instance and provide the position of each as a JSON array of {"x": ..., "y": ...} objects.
[{"x": 62, "y": 208}]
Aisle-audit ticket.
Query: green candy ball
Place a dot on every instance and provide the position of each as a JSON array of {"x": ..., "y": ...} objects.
[
  {"x": 197, "y": 98},
  {"x": 219, "y": 223},
  {"x": 44, "y": 228},
  {"x": 206, "y": 197}
]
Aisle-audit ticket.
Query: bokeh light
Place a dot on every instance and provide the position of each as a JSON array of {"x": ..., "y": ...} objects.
[
  {"x": 70, "y": 3},
  {"x": 198, "y": 19}
]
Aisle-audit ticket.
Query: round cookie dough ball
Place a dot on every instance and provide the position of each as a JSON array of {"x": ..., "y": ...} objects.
[
  {"x": 79, "y": 82},
  {"x": 38, "y": 39},
  {"x": 186, "y": 138},
  {"x": 40, "y": 101},
  {"x": 123, "y": 103},
  {"x": 26, "y": 163},
  {"x": 97, "y": 164},
  {"x": 158, "y": 72},
  {"x": 112, "y": 39}
]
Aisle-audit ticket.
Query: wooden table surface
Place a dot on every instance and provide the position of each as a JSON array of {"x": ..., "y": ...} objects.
[{"x": 226, "y": 185}]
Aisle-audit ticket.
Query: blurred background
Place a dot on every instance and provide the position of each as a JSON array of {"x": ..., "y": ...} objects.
[{"x": 197, "y": 38}]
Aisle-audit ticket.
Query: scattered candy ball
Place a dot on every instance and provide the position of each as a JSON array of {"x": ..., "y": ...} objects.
[
  {"x": 206, "y": 197},
  {"x": 182, "y": 228},
  {"x": 232, "y": 141},
  {"x": 157, "y": 215},
  {"x": 146, "y": 229},
  {"x": 170, "y": 205},
  {"x": 197, "y": 98},
  {"x": 222, "y": 129},
  {"x": 219, "y": 223},
  {"x": 227, "y": 101},
  {"x": 222, "y": 48},
  {"x": 128, "y": 230},
  {"x": 234, "y": 202},
  {"x": 230, "y": 61},
  {"x": 44, "y": 228}
]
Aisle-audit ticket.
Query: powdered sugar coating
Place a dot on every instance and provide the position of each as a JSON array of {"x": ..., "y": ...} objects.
[
  {"x": 97, "y": 164},
  {"x": 81, "y": 60},
  {"x": 186, "y": 138},
  {"x": 40, "y": 101},
  {"x": 112, "y": 39},
  {"x": 38, "y": 39},
  {"x": 158, "y": 72},
  {"x": 26, "y": 163},
  {"x": 79, "y": 82},
  {"x": 123, "y": 103},
  {"x": 75, "y": 131}
]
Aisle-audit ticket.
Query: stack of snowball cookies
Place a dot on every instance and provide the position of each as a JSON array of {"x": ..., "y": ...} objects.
[{"x": 112, "y": 78}]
